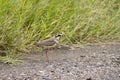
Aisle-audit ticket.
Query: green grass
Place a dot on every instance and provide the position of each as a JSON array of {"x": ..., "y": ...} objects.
[{"x": 23, "y": 22}]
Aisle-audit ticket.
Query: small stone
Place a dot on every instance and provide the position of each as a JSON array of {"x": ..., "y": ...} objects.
[
  {"x": 68, "y": 71},
  {"x": 42, "y": 72},
  {"x": 75, "y": 65},
  {"x": 104, "y": 51},
  {"x": 52, "y": 71},
  {"x": 28, "y": 78},
  {"x": 18, "y": 77},
  {"x": 45, "y": 79},
  {"x": 22, "y": 74},
  {"x": 9, "y": 78},
  {"x": 88, "y": 79},
  {"x": 62, "y": 68},
  {"x": 82, "y": 56},
  {"x": 37, "y": 79}
]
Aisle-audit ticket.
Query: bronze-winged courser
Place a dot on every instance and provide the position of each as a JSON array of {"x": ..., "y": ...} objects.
[{"x": 48, "y": 43}]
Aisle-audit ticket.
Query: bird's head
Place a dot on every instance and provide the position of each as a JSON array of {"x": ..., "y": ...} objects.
[{"x": 57, "y": 36}]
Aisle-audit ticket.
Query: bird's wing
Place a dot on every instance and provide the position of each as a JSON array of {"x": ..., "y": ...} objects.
[{"x": 48, "y": 42}]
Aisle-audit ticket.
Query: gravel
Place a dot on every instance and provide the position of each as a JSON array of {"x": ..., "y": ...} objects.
[{"x": 93, "y": 62}]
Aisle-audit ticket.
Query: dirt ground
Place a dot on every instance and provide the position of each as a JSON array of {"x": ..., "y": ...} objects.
[{"x": 91, "y": 62}]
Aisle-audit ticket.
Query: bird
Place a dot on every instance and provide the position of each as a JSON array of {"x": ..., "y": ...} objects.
[{"x": 49, "y": 43}]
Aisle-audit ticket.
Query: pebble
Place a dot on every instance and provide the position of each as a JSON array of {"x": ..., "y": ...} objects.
[{"x": 96, "y": 66}]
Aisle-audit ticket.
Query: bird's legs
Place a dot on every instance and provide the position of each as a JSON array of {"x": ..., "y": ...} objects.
[{"x": 46, "y": 52}]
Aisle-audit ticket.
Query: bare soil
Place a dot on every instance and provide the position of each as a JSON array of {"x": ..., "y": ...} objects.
[{"x": 91, "y": 62}]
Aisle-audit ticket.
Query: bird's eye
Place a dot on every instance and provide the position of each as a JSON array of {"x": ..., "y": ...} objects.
[{"x": 58, "y": 35}]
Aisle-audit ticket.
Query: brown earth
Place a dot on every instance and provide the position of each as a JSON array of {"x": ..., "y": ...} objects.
[{"x": 91, "y": 62}]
